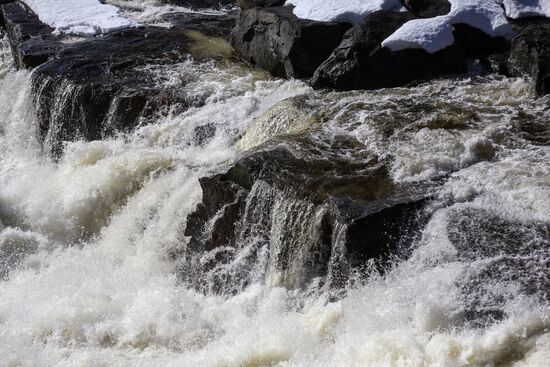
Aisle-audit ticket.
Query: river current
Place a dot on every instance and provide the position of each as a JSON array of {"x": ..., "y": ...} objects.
[{"x": 86, "y": 277}]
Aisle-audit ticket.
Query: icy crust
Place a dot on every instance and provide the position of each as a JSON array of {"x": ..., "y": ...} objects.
[
  {"x": 82, "y": 17},
  {"x": 434, "y": 34},
  {"x": 352, "y": 11}
]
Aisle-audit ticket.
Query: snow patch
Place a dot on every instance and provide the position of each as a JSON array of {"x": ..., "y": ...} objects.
[
  {"x": 352, "y": 11},
  {"x": 82, "y": 17},
  {"x": 434, "y": 34}
]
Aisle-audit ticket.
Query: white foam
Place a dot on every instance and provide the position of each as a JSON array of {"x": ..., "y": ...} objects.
[{"x": 82, "y": 17}]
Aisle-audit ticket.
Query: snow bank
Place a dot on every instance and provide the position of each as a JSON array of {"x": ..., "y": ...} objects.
[
  {"x": 83, "y": 17},
  {"x": 527, "y": 8},
  {"x": 352, "y": 11},
  {"x": 434, "y": 34}
]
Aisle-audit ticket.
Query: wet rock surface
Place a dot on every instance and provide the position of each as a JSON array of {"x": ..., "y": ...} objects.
[
  {"x": 360, "y": 62},
  {"x": 427, "y": 8},
  {"x": 323, "y": 211},
  {"x": 509, "y": 256},
  {"x": 31, "y": 41},
  {"x": 94, "y": 88},
  {"x": 247, "y": 4},
  {"x": 530, "y": 55},
  {"x": 275, "y": 40}
]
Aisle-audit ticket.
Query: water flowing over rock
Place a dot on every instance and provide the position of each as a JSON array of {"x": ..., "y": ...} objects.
[
  {"x": 284, "y": 45},
  {"x": 530, "y": 55},
  {"x": 346, "y": 212},
  {"x": 198, "y": 211},
  {"x": 31, "y": 41}
]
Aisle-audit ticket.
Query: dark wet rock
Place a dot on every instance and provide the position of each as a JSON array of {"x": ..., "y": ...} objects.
[
  {"x": 507, "y": 259},
  {"x": 208, "y": 25},
  {"x": 477, "y": 44},
  {"x": 315, "y": 210},
  {"x": 360, "y": 62},
  {"x": 530, "y": 55},
  {"x": 497, "y": 63},
  {"x": 98, "y": 87},
  {"x": 31, "y": 41},
  {"x": 277, "y": 41},
  {"x": 427, "y": 8},
  {"x": 247, "y": 4}
]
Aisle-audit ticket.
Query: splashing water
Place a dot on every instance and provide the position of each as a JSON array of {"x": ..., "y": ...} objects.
[{"x": 85, "y": 243}]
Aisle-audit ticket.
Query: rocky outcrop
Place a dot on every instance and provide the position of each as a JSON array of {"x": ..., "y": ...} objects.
[
  {"x": 276, "y": 40},
  {"x": 31, "y": 41},
  {"x": 315, "y": 210},
  {"x": 530, "y": 55},
  {"x": 360, "y": 62},
  {"x": 98, "y": 87},
  {"x": 427, "y": 8}
]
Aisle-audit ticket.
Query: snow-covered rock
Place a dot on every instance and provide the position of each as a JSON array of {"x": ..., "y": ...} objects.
[
  {"x": 434, "y": 34},
  {"x": 431, "y": 34},
  {"x": 83, "y": 17},
  {"x": 527, "y": 8},
  {"x": 352, "y": 11}
]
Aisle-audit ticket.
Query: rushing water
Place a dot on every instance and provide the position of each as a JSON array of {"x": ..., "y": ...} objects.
[{"x": 85, "y": 242}]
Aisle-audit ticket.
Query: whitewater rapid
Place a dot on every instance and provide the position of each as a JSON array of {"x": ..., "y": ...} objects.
[{"x": 86, "y": 276}]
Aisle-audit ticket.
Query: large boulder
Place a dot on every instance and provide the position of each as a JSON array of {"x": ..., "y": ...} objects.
[
  {"x": 530, "y": 55},
  {"x": 276, "y": 40},
  {"x": 98, "y": 87},
  {"x": 320, "y": 210},
  {"x": 427, "y": 8},
  {"x": 31, "y": 41},
  {"x": 360, "y": 62}
]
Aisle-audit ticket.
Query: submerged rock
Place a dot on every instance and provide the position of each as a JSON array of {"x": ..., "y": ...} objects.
[
  {"x": 506, "y": 258},
  {"x": 31, "y": 41},
  {"x": 284, "y": 45},
  {"x": 360, "y": 62},
  {"x": 530, "y": 55}
]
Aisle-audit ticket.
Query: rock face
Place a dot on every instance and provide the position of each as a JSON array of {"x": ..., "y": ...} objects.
[
  {"x": 31, "y": 41},
  {"x": 316, "y": 212},
  {"x": 98, "y": 87},
  {"x": 286, "y": 46},
  {"x": 360, "y": 62},
  {"x": 530, "y": 55},
  {"x": 427, "y": 8}
]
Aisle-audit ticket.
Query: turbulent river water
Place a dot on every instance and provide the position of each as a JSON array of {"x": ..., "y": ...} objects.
[{"x": 87, "y": 280}]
